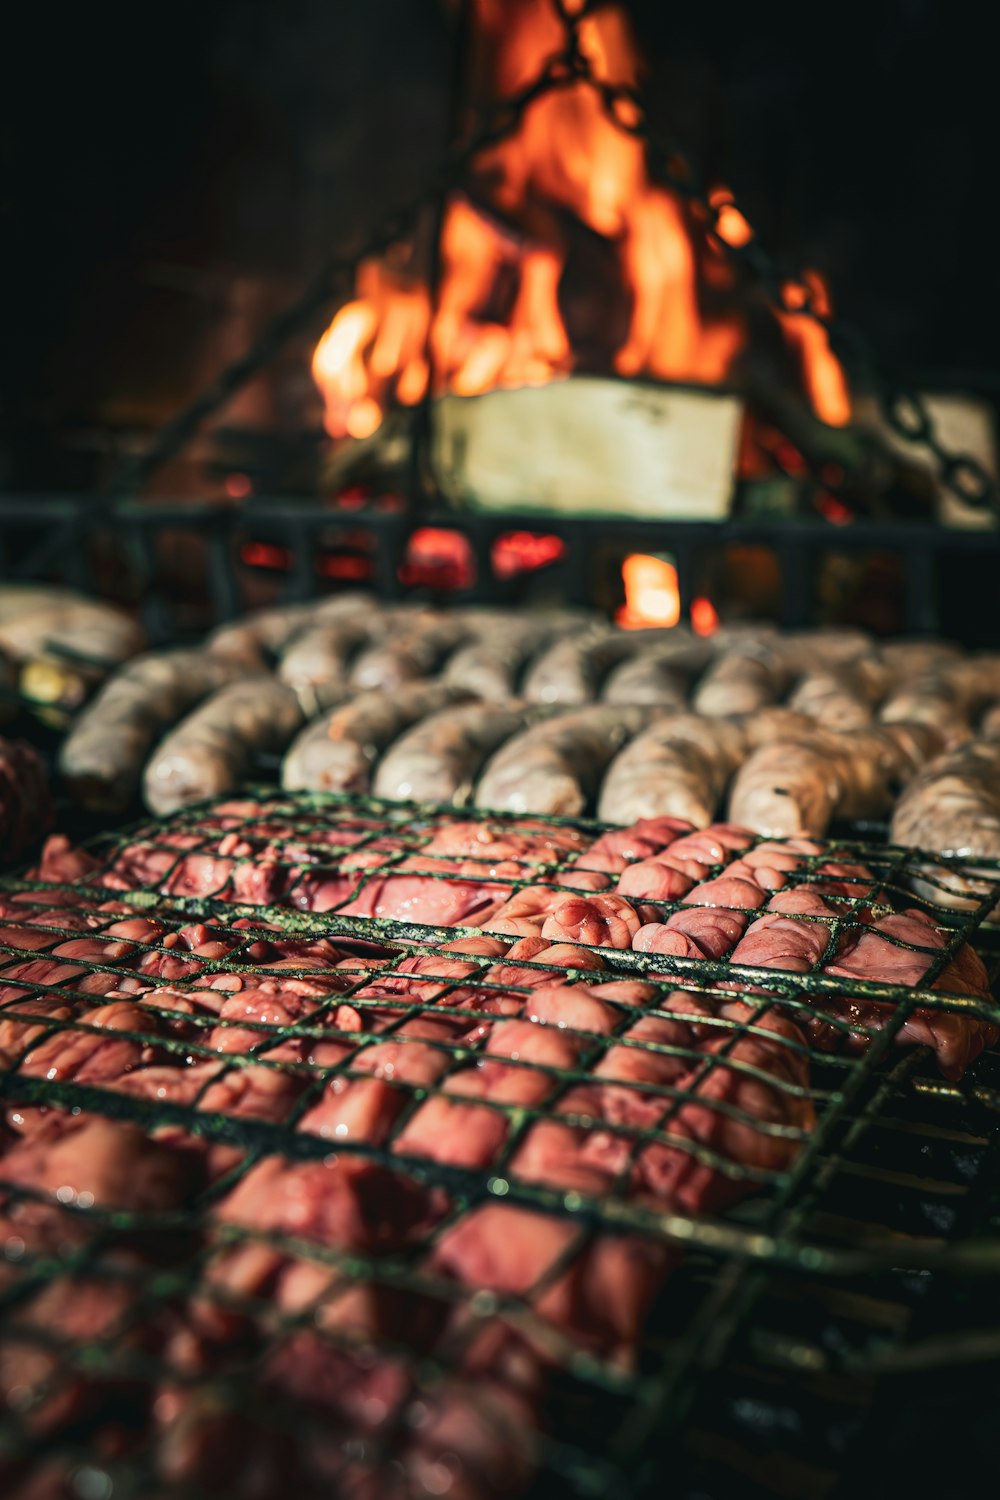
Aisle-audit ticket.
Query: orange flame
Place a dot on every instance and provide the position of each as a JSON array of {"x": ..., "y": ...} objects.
[
  {"x": 652, "y": 593},
  {"x": 822, "y": 375},
  {"x": 567, "y": 161}
]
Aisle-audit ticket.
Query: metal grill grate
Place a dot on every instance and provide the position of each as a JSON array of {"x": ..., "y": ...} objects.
[{"x": 288, "y": 1295}]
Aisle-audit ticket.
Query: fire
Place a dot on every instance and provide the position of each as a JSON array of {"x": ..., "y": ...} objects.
[
  {"x": 822, "y": 374},
  {"x": 498, "y": 316},
  {"x": 652, "y": 593}
]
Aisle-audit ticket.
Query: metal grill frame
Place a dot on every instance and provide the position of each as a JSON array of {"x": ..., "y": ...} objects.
[
  {"x": 70, "y": 524},
  {"x": 744, "y": 1252}
]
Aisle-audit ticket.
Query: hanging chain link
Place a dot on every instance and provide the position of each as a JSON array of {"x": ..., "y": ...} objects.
[{"x": 904, "y": 410}]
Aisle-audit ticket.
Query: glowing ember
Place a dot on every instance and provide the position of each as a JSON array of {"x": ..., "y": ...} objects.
[
  {"x": 704, "y": 620},
  {"x": 730, "y": 226},
  {"x": 516, "y": 552},
  {"x": 438, "y": 558},
  {"x": 652, "y": 595},
  {"x": 498, "y": 319}
]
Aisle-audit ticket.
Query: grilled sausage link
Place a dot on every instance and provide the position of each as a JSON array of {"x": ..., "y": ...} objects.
[
  {"x": 102, "y": 757},
  {"x": 212, "y": 750},
  {"x": 337, "y": 752}
]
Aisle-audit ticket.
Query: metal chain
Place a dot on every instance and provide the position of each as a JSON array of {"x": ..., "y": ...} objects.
[{"x": 905, "y": 412}]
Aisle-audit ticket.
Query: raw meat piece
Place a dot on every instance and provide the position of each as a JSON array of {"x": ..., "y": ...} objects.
[
  {"x": 642, "y": 839},
  {"x": 95, "y": 1056},
  {"x": 475, "y": 857},
  {"x": 439, "y": 759},
  {"x": 604, "y": 1286},
  {"x": 337, "y": 752},
  {"x": 555, "y": 767},
  {"x": 781, "y": 940},
  {"x": 533, "y": 844},
  {"x": 519, "y": 1068},
  {"x": 603, "y": 921},
  {"x": 680, "y": 766},
  {"x": 342, "y": 1202},
  {"x": 416, "y": 1055},
  {"x": 733, "y": 890},
  {"x": 75, "y": 1162},
  {"x": 700, "y": 933},
  {"x": 957, "y": 1039},
  {"x": 671, "y": 1174},
  {"x": 101, "y": 758},
  {"x": 212, "y": 750}
]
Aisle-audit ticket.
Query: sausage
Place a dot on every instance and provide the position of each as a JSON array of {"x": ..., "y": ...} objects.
[
  {"x": 212, "y": 750},
  {"x": 439, "y": 758},
  {"x": 906, "y": 660},
  {"x": 337, "y": 752},
  {"x": 801, "y": 783},
  {"x": 841, "y": 698},
  {"x": 938, "y": 698},
  {"x": 740, "y": 683},
  {"x": 418, "y": 643},
  {"x": 261, "y": 636},
  {"x": 491, "y": 666},
  {"x": 102, "y": 757},
  {"x": 953, "y": 807},
  {"x": 805, "y": 651},
  {"x": 648, "y": 677},
  {"x": 787, "y": 787},
  {"x": 571, "y": 669},
  {"x": 556, "y": 766},
  {"x": 775, "y": 723},
  {"x": 315, "y": 663},
  {"x": 37, "y": 622},
  {"x": 678, "y": 767}
]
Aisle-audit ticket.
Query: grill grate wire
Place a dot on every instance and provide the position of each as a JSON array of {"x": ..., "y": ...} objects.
[{"x": 305, "y": 838}]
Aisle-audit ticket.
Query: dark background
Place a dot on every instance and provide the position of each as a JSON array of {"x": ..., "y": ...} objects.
[{"x": 172, "y": 173}]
